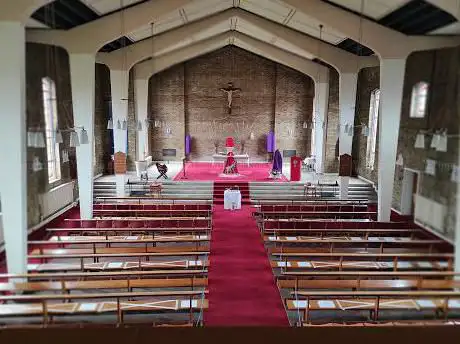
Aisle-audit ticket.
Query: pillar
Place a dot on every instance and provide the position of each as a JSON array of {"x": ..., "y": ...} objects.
[
  {"x": 13, "y": 157},
  {"x": 141, "y": 94},
  {"x": 391, "y": 92},
  {"x": 119, "y": 83},
  {"x": 321, "y": 101},
  {"x": 82, "y": 74},
  {"x": 347, "y": 104}
]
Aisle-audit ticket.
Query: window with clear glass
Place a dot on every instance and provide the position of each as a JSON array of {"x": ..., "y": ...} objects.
[
  {"x": 51, "y": 125},
  {"x": 419, "y": 100},
  {"x": 373, "y": 124}
]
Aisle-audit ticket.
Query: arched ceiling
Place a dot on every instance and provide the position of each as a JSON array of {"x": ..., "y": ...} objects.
[{"x": 411, "y": 17}]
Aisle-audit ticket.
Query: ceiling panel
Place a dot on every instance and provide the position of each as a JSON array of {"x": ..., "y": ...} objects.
[
  {"x": 310, "y": 26},
  {"x": 372, "y": 8},
  {"x": 167, "y": 22},
  {"x": 35, "y": 24},
  {"x": 271, "y": 9},
  {"x": 204, "y": 8},
  {"x": 106, "y": 6},
  {"x": 452, "y": 29}
]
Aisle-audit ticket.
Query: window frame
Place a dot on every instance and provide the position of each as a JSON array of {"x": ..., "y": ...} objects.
[
  {"x": 50, "y": 115},
  {"x": 419, "y": 100},
  {"x": 374, "y": 111}
]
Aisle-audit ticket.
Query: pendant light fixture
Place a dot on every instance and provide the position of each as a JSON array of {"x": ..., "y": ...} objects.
[
  {"x": 59, "y": 137},
  {"x": 442, "y": 142},
  {"x": 139, "y": 126},
  {"x": 110, "y": 124},
  {"x": 435, "y": 140},
  {"x": 40, "y": 143},
  {"x": 65, "y": 156},
  {"x": 118, "y": 125},
  {"x": 124, "y": 126},
  {"x": 365, "y": 130},
  {"x": 37, "y": 164},
  {"x": 84, "y": 137},
  {"x": 420, "y": 140},
  {"x": 74, "y": 140}
]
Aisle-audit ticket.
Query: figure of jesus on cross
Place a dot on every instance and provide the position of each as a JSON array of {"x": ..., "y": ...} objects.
[{"x": 230, "y": 90}]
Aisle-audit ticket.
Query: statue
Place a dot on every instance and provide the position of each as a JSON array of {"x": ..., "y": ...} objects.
[{"x": 230, "y": 90}]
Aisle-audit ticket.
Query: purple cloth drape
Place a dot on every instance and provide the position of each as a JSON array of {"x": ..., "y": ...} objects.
[
  {"x": 188, "y": 146},
  {"x": 271, "y": 142},
  {"x": 277, "y": 162}
]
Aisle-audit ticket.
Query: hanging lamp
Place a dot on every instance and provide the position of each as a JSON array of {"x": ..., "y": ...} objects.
[
  {"x": 84, "y": 137},
  {"x": 110, "y": 124},
  {"x": 420, "y": 140},
  {"x": 74, "y": 140}
]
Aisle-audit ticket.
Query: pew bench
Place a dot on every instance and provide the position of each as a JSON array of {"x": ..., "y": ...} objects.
[
  {"x": 147, "y": 213},
  {"x": 129, "y": 231},
  {"x": 373, "y": 301},
  {"x": 114, "y": 265},
  {"x": 93, "y": 304},
  {"x": 342, "y": 266}
]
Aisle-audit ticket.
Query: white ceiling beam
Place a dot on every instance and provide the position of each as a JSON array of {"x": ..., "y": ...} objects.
[
  {"x": 450, "y": 6},
  {"x": 90, "y": 37},
  {"x": 125, "y": 58},
  {"x": 340, "y": 59},
  {"x": 387, "y": 43},
  {"x": 315, "y": 70},
  {"x": 146, "y": 69},
  {"x": 20, "y": 10}
]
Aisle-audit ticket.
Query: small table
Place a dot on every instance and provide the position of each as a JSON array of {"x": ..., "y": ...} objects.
[
  {"x": 155, "y": 189},
  {"x": 232, "y": 199}
]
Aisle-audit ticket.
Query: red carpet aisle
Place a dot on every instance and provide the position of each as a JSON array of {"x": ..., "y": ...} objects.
[
  {"x": 207, "y": 171},
  {"x": 242, "y": 290}
]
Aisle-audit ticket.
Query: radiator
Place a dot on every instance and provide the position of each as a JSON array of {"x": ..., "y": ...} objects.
[
  {"x": 56, "y": 199},
  {"x": 430, "y": 213}
]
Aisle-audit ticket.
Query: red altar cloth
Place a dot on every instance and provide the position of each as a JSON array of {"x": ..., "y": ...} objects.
[{"x": 229, "y": 142}]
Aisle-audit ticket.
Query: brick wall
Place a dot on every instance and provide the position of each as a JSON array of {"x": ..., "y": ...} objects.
[
  {"x": 440, "y": 68},
  {"x": 368, "y": 81},
  {"x": 331, "y": 164},
  {"x": 187, "y": 97},
  {"x": 46, "y": 61},
  {"x": 102, "y": 136}
]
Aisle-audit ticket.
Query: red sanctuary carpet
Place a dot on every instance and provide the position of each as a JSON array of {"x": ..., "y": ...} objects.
[
  {"x": 205, "y": 171},
  {"x": 242, "y": 289}
]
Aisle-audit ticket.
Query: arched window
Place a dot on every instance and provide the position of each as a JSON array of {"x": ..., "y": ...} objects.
[
  {"x": 419, "y": 100},
  {"x": 51, "y": 124},
  {"x": 373, "y": 124}
]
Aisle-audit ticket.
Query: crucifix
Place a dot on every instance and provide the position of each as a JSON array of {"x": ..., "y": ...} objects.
[{"x": 230, "y": 90}]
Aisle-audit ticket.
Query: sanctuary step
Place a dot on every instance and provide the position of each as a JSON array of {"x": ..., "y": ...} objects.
[{"x": 220, "y": 187}]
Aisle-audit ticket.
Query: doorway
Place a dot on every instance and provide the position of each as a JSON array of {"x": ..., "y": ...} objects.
[{"x": 409, "y": 191}]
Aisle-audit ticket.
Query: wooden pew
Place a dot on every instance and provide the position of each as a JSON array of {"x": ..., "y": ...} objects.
[
  {"x": 152, "y": 200},
  {"x": 66, "y": 283},
  {"x": 273, "y": 225},
  {"x": 141, "y": 213},
  {"x": 168, "y": 222},
  {"x": 380, "y": 265},
  {"x": 154, "y": 206},
  {"x": 336, "y": 244},
  {"x": 119, "y": 265},
  {"x": 120, "y": 251},
  {"x": 276, "y": 201},
  {"x": 373, "y": 301},
  {"x": 373, "y": 284},
  {"x": 95, "y": 242},
  {"x": 363, "y": 232},
  {"x": 274, "y": 215},
  {"x": 130, "y": 231},
  {"x": 347, "y": 207},
  {"x": 47, "y": 308}
]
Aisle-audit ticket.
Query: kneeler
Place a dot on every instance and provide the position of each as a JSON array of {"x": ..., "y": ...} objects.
[{"x": 162, "y": 169}]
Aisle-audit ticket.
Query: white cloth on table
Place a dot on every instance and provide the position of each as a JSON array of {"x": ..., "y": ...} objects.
[{"x": 232, "y": 197}]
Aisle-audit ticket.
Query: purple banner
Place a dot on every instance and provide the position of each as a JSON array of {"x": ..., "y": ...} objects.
[
  {"x": 188, "y": 144},
  {"x": 271, "y": 142}
]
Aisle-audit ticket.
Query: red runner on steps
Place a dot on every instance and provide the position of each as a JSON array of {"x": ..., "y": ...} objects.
[{"x": 242, "y": 290}]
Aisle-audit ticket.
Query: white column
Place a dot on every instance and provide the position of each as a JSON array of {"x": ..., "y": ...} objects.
[
  {"x": 82, "y": 73},
  {"x": 13, "y": 181},
  {"x": 321, "y": 101},
  {"x": 391, "y": 92},
  {"x": 119, "y": 82},
  {"x": 141, "y": 93},
  {"x": 347, "y": 105},
  {"x": 457, "y": 231}
]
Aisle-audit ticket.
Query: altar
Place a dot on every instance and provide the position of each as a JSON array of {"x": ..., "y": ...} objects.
[{"x": 237, "y": 157}]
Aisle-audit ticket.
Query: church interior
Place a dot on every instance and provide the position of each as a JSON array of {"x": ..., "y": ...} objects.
[{"x": 208, "y": 163}]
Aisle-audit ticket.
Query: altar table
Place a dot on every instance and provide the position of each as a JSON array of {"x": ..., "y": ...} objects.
[
  {"x": 223, "y": 157},
  {"x": 232, "y": 197}
]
